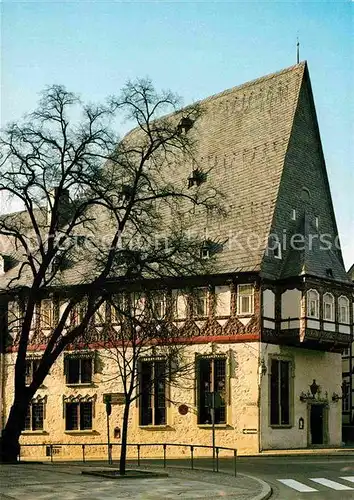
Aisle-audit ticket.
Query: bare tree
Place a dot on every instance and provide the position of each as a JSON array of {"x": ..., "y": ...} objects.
[
  {"x": 145, "y": 353},
  {"x": 90, "y": 205}
]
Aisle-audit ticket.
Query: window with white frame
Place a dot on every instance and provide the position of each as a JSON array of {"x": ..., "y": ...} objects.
[
  {"x": 100, "y": 314},
  {"x": 343, "y": 310},
  {"x": 328, "y": 307},
  {"x": 245, "y": 299},
  {"x": 313, "y": 304},
  {"x": 46, "y": 314},
  {"x": 158, "y": 305},
  {"x": 200, "y": 302}
]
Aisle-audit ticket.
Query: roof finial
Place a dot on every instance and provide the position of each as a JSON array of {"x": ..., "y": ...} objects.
[{"x": 297, "y": 50}]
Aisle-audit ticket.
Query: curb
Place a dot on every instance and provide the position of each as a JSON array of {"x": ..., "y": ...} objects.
[{"x": 266, "y": 488}]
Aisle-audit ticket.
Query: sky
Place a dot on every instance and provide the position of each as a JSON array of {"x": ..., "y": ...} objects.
[{"x": 195, "y": 49}]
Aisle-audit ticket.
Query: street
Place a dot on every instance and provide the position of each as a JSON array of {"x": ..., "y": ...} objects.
[
  {"x": 295, "y": 477},
  {"x": 304, "y": 477}
]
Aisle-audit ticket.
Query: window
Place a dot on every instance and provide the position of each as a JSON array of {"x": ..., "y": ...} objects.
[
  {"x": 158, "y": 305},
  {"x": 343, "y": 310},
  {"x": 14, "y": 316},
  {"x": 152, "y": 392},
  {"x": 280, "y": 392},
  {"x": 313, "y": 304},
  {"x": 35, "y": 416},
  {"x": 31, "y": 367},
  {"x": 199, "y": 303},
  {"x": 345, "y": 395},
  {"x": 328, "y": 307},
  {"x": 100, "y": 315},
  {"x": 46, "y": 314},
  {"x": 78, "y": 369},
  {"x": 78, "y": 416},
  {"x": 211, "y": 373},
  {"x": 179, "y": 304},
  {"x": 118, "y": 308},
  {"x": 77, "y": 314},
  {"x": 245, "y": 299}
]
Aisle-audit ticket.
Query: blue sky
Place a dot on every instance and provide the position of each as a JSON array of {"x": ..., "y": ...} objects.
[{"x": 195, "y": 49}]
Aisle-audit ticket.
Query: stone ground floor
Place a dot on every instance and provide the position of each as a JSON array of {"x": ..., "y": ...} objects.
[
  {"x": 60, "y": 482},
  {"x": 267, "y": 397}
]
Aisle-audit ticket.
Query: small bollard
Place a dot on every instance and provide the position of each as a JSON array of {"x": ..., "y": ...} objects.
[
  {"x": 51, "y": 453},
  {"x": 138, "y": 447},
  {"x": 164, "y": 456},
  {"x": 235, "y": 456},
  {"x": 217, "y": 459},
  {"x": 192, "y": 457},
  {"x": 83, "y": 453}
]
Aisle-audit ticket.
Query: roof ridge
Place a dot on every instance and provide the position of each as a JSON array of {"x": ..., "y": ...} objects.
[{"x": 253, "y": 82}]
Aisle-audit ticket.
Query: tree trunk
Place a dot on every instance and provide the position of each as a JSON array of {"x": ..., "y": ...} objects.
[
  {"x": 123, "y": 450},
  {"x": 9, "y": 440}
]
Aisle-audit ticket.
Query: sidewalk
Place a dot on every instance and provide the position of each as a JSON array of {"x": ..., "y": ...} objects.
[
  {"x": 63, "y": 481},
  {"x": 344, "y": 451}
]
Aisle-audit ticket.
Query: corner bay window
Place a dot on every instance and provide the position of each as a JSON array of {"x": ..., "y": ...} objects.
[
  {"x": 78, "y": 369},
  {"x": 211, "y": 383},
  {"x": 313, "y": 304},
  {"x": 35, "y": 416},
  {"x": 343, "y": 310},
  {"x": 152, "y": 392},
  {"x": 78, "y": 415},
  {"x": 280, "y": 392},
  {"x": 328, "y": 307}
]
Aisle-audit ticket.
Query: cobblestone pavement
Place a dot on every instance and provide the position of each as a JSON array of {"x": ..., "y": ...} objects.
[{"x": 59, "y": 482}]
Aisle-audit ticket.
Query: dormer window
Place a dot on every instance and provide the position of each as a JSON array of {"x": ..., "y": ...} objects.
[
  {"x": 277, "y": 250},
  {"x": 185, "y": 124},
  {"x": 197, "y": 178},
  {"x": 313, "y": 303}
]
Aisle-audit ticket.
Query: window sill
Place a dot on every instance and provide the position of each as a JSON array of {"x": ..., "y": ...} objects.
[
  {"x": 155, "y": 427},
  {"x": 217, "y": 426},
  {"x": 281, "y": 426},
  {"x": 79, "y": 432},
  {"x": 84, "y": 384},
  {"x": 244, "y": 315},
  {"x": 34, "y": 433}
]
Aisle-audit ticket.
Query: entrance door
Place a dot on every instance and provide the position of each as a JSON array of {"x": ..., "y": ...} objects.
[{"x": 316, "y": 422}]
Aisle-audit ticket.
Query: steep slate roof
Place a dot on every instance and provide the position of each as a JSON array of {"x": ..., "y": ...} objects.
[{"x": 243, "y": 139}]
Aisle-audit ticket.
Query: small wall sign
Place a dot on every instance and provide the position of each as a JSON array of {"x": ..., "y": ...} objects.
[
  {"x": 301, "y": 423},
  {"x": 250, "y": 431},
  {"x": 183, "y": 409}
]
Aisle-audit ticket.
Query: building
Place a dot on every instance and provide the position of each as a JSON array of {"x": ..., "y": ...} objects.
[
  {"x": 268, "y": 327},
  {"x": 348, "y": 386}
]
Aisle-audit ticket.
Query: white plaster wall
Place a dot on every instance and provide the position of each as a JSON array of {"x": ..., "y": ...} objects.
[
  {"x": 326, "y": 369},
  {"x": 242, "y": 411},
  {"x": 269, "y": 304},
  {"x": 291, "y": 304}
]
